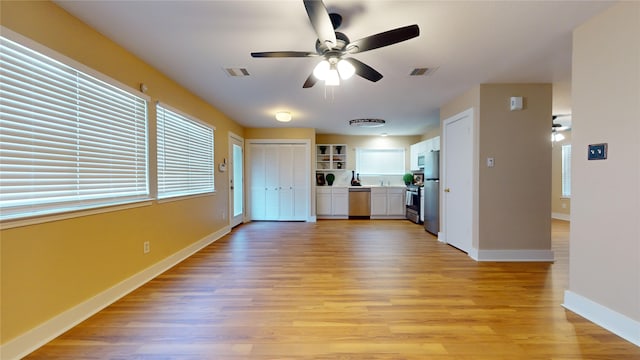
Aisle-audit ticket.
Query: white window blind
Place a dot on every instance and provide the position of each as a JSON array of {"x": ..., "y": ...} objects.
[
  {"x": 380, "y": 161},
  {"x": 68, "y": 141},
  {"x": 566, "y": 171},
  {"x": 185, "y": 154}
]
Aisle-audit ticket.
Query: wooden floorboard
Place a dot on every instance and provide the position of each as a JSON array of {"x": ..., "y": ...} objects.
[{"x": 344, "y": 289}]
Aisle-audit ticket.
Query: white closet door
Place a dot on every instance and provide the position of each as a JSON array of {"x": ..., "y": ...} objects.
[
  {"x": 258, "y": 182},
  {"x": 272, "y": 177},
  {"x": 286, "y": 182},
  {"x": 300, "y": 182},
  {"x": 279, "y": 177}
]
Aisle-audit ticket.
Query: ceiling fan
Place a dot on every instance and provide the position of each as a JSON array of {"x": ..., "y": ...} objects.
[
  {"x": 563, "y": 124},
  {"x": 335, "y": 47}
]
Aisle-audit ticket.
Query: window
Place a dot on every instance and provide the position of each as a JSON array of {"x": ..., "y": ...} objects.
[
  {"x": 185, "y": 154},
  {"x": 380, "y": 161},
  {"x": 68, "y": 140},
  {"x": 566, "y": 171}
]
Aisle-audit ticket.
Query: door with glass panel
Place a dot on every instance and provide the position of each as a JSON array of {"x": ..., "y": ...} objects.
[{"x": 236, "y": 180}]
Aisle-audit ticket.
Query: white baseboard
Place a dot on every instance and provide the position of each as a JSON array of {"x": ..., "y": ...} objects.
[
  {"x": 560, "y": 216},
  {"x": 49, "y": 330},
  {"x": 619, "y": 324},
  {"x": 441, "y": 237},
  {"x": 513, "y": 255}
]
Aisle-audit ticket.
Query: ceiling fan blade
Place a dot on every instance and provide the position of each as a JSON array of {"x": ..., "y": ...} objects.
[
  {"x": 311, "y": 80},
  {"x": 365, "y": 70},
  {"x": 321, "y": 22},
  {"x": 282, "y": 54},
  {"x": 383, "y": 39}
]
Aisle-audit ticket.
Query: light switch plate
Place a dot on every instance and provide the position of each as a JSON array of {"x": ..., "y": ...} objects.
[{"x": 597, "y": 151}]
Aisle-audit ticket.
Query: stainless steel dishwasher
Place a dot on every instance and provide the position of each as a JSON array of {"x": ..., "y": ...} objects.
[{"x": 359, "y": 203}]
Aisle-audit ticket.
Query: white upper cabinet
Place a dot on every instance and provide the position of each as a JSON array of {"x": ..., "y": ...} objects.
[{"x": 421, "y": 148}]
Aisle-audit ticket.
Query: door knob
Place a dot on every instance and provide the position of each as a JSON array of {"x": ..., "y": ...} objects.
[{"x": 447, "y": 190}]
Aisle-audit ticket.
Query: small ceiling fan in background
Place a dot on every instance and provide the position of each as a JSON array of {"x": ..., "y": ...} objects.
[
  {"x": 559, "y": 123},
  {"x": 335, "y": 47}
]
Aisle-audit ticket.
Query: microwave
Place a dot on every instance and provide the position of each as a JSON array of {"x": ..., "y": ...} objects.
[{"x": 421, "y": 161}]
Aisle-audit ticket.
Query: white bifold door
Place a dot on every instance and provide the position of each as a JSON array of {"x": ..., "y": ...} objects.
[{"x": 279, "y": 176}]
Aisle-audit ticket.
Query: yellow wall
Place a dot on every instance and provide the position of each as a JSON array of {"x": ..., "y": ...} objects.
[{"x": 50, "y": 267}]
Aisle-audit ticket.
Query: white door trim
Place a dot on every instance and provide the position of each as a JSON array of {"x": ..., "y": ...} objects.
[
  {"x": 442, "y": 236},
  {"x": 233, "y": 137}
]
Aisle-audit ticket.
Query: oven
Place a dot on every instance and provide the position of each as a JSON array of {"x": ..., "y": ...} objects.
[{"x": 413, "y": 203}]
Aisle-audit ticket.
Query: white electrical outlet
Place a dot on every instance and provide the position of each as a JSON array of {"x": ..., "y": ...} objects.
[{"x": 146, "y": 247}]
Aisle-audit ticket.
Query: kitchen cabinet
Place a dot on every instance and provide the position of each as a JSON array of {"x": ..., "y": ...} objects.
[
  {"x": 332, "y": 202},
  {"x": 396, "y": 201},
  {"x": 434, "y": 144},
  {"x": 323, "y": 201},
  {"x": 422, "y": 148},
  {"x": 387, "y": 202},
  {"x": 279, "y": 182},
  {"x": 331, "y": 157},
  {"x": 378, "y": 201}
]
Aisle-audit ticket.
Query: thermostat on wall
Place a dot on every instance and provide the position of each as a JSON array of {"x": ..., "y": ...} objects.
[{"x": 516, "y": 103}]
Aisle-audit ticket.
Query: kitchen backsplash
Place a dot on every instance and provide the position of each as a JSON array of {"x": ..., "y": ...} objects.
[{"x": 343, "y": 178}]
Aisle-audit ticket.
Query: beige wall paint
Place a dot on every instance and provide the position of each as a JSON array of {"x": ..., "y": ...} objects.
[
  {"x": 515, "y": 195},
  {"x": 431, "y": 134},
  {"x": 280, "y": 133},
  {"x": 605, "y": 217},
  {"x": 557, "y": 201},
  {"x": 513, "y": 199},
  {"x": 561, "y": 98},
  {"x": 50, "y": 267}
]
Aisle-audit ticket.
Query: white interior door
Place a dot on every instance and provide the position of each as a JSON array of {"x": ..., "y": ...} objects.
[
  {"x": 236, "y": 180},
  {"x": 457, "y": 192}
]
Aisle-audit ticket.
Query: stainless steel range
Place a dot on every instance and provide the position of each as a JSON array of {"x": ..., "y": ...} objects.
[{"x": 412, "y": 200}]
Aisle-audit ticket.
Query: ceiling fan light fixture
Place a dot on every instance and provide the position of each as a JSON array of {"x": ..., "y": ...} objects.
[
  {"x": 333, "y": 79},
  {"x": 283, "y": 116},
  {"x": 321, "y": 71},
  {"x": 556, "y": 137},
  {"x": 345, "y": 69},
  {"x": 368, "y": 123}
]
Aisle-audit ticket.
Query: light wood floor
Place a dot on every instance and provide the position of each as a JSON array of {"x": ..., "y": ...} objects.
[{"x": 344, "y": 290}]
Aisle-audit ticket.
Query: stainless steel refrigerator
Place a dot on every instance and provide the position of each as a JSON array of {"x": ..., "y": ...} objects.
[{"x": 432, "y": 192}]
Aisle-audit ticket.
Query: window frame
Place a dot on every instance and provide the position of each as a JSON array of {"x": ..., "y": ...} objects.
[
  {"x": 360, "y": 162},
  {"x": 64, "y": 211},
  {"x": 565, "y": 187},
  {"x": 195, "y": 121}
]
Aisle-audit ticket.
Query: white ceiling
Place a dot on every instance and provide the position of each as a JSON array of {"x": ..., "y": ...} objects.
[{"x": 470, "y": 42}]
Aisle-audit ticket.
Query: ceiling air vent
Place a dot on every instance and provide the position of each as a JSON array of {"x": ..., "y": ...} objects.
[
  {"x": 237, "y": 72},
  {"x": 423, "y": 71}
]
